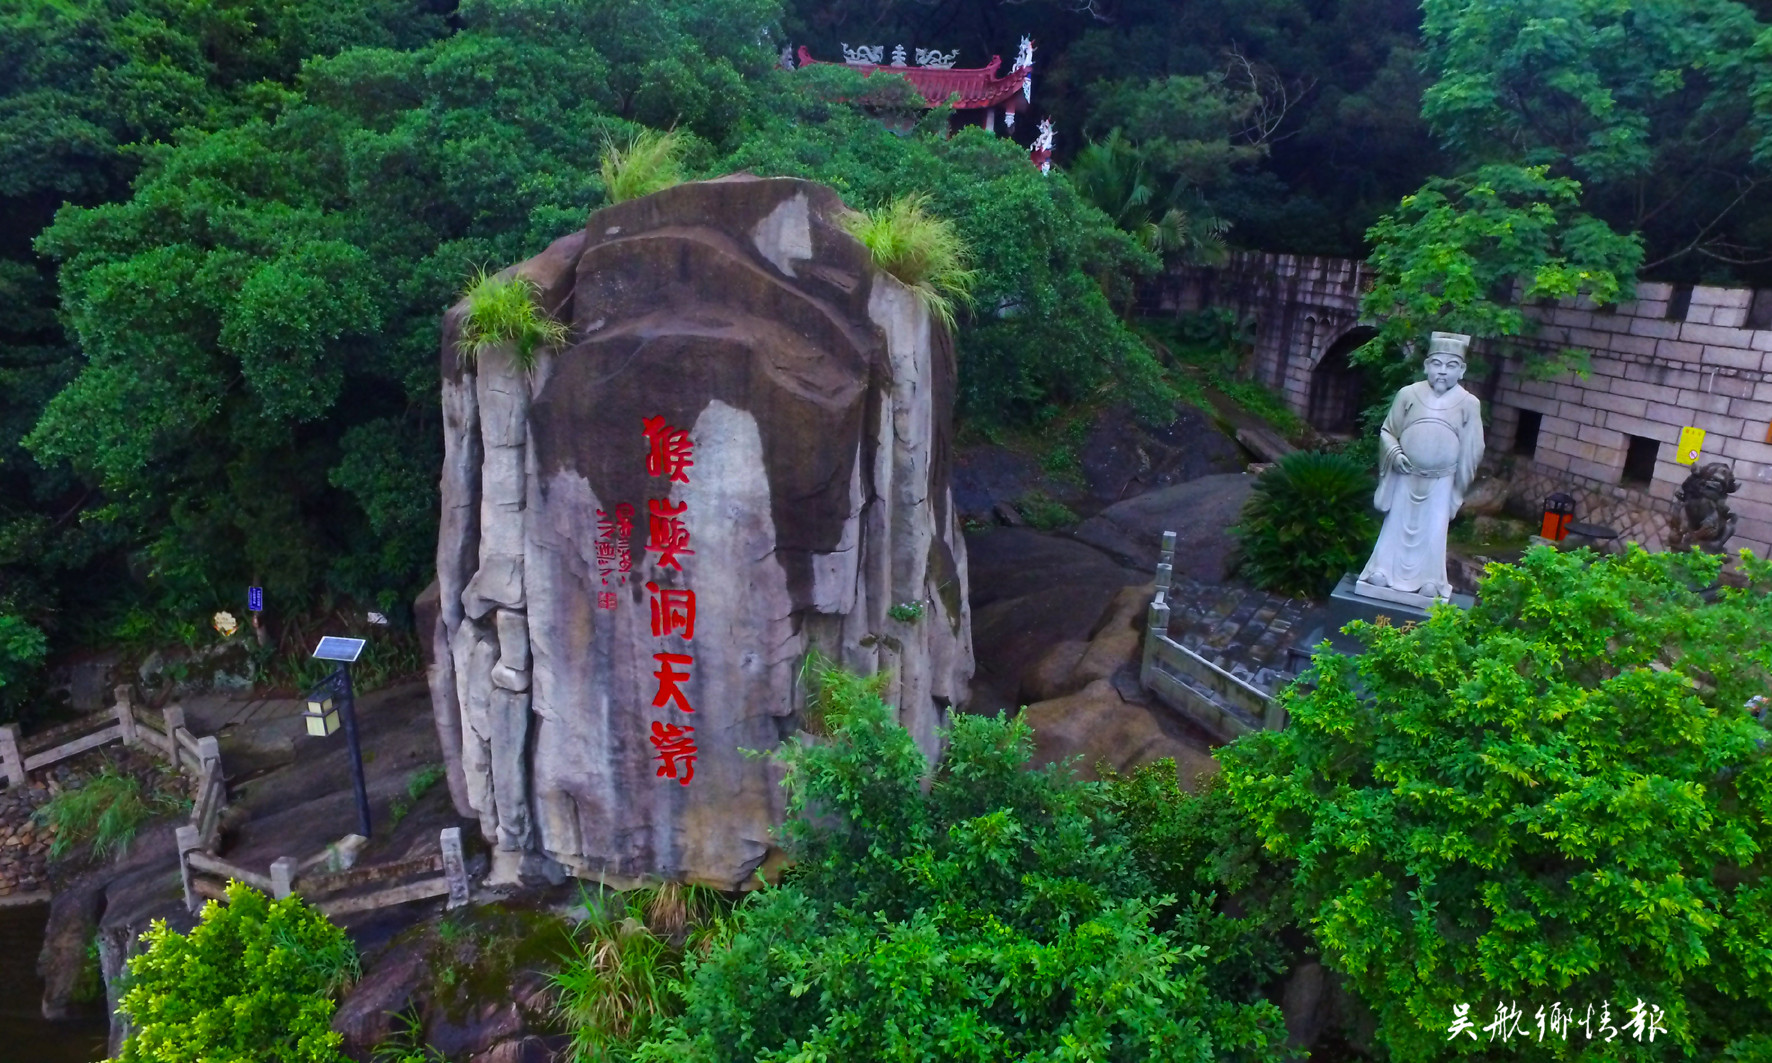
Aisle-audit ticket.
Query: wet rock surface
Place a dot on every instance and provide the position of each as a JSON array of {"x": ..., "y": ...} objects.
[{"x": 1200, "y": 512}]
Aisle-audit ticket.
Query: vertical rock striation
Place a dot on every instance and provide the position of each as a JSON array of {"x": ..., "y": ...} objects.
[{"x": 816, "y": 394}]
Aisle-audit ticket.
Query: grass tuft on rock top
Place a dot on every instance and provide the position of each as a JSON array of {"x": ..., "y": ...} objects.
[
  {"x": 651, "y": 161},
  {"x": 924, "y": 251},
  {"x": 1309, "y": 520},
  {"x": 503, "y": 311}
]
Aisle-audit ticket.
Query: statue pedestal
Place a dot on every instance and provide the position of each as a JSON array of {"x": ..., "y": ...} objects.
[{"x": 1349, "y": 603}]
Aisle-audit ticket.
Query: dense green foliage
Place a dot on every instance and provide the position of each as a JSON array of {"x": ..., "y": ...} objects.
[
  {"x": 253, "y": 981},
  {"x": 1556, "y": 796},
  {"x": 1308, "y": 520},
  {"x": 255, "y": 397},
  {"x": 994, "y": 916},
  {"x": 1449, "y": 258},
  {"x": 1044, "y": 333}
]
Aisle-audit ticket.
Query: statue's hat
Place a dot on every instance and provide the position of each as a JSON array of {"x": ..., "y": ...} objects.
[{"x": 1452, "y": 343}]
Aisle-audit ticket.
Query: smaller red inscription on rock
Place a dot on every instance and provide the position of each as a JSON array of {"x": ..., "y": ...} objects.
[
  {"x": 606, "y": 599},
  {"x": 667, "y": 535},
  {"x": 673, "y": 611},
  {"x": 668, "y": 678},
  {"x": 676, "y": 751},
  {"x": 668, "y": 450}
]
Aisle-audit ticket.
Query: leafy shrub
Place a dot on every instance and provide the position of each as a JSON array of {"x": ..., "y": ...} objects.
[
  {"x": 1309, "y": 520},
  {"x": 1044, "y": 512},
  {"x": 651, "y": 161},
  {"x": 22, "y": 650},
  {"x": 906, "y": 612},
  {"x": 252, "y": 981},
  {"x": 502, "y": 311},
  {"x": 1557, "y": 795},
  {"x": 992, "y": 916},
  {"x": 925, "y": 252},
  {"x": 107, "y": 808}
]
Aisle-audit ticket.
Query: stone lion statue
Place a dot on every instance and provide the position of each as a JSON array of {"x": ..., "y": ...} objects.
[{"x": 1704, "y": 505}]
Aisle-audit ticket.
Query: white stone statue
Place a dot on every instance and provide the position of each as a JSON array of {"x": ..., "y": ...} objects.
[{"x": 1429, "y": 448}]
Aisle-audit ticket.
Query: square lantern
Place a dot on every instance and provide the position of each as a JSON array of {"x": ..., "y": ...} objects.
[
  {"x": 1559, "y": 510},
  {"x": 321, "y": 714}
]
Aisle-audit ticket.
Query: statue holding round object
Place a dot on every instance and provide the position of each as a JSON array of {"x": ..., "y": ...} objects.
[{"x": 1429, "y": 447}]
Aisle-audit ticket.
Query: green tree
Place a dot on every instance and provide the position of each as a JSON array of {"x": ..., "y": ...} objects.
[
  {"x": 1555, "y": 797},
  {"x": 254, "y": 982},
  {"x": 1649, "y": 104},
  {"x": 1463, "y": 255},
  {"x": 259, "y": 319},
  {"x": 992, "y": 916}
]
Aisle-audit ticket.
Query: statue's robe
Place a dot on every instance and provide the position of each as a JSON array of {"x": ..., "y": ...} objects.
[{"x": 1442, "y": 437}]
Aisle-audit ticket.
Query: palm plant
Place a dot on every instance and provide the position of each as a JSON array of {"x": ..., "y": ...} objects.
[
  {"x": 652, "y": 160},
  {"x": 502, "y": 311},
  {"x": 1113, "y": 176},
  {"x": 1309, "y": 520},
  {"x": 922, "y": 250}
]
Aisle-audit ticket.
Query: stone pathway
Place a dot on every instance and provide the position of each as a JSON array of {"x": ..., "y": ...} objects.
[{"x": 1240, "y": 629}]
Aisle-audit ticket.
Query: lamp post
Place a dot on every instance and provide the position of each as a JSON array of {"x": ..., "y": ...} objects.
[{"x": 330, "y": 703}]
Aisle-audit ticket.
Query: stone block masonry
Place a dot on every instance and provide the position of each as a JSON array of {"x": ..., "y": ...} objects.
[{"x": 1649, "y": 376}]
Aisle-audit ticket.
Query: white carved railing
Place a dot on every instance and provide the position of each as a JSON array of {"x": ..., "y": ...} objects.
[{"x": 1191, "y": 685}]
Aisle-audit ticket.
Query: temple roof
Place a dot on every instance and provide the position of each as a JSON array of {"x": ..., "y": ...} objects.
[{"x": 975, "y": 86}]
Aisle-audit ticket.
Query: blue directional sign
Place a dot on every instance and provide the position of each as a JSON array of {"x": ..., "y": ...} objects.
[{"x": 255, "y": 599}]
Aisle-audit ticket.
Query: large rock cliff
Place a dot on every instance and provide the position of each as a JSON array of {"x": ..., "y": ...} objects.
[{"x": 747, "y": 411}]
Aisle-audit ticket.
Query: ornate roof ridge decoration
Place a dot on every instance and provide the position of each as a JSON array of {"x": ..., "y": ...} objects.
[
  {"x": 939, "y": 81},
  {"x": 1040, "y": 153}
]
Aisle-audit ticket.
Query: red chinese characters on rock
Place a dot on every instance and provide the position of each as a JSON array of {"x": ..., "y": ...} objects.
[
  {"x": 670, "y": 453},
  {"x": 668, "y": 450},
  {"x": 614, "y": 555},
  {"x": 667, "y": 534},
  {"x": 674, "y": 744}
]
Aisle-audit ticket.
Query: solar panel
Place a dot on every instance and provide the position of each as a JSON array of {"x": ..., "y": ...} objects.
[{"x": 333, "y": 648}]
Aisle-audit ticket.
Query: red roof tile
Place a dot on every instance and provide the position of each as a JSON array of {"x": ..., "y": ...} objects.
[{"x": 975, "y": 86}]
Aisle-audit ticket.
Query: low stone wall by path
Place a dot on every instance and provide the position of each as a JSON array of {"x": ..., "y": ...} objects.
[{"x": 24, "y": 847}]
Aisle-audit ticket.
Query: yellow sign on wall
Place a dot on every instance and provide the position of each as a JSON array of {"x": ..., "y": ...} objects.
[{"x": 1691, "y": 442}]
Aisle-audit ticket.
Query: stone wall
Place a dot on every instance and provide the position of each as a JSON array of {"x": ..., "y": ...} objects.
[
  {"x": 1652, "y": 374},
  {"x": 1670, "y": 358}
]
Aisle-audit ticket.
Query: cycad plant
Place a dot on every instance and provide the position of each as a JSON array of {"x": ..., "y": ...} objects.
[
  {"x": 504, "y": 311},
  {"x": 924, "y": 251},
  {"x": 1309, "y": 520},
  {"x": 651, "y": 160}
]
